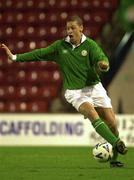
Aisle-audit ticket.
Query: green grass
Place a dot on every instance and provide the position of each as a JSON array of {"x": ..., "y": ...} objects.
[{"x": 60, "y": 163}]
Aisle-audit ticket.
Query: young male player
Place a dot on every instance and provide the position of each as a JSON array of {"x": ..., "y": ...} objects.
[{"x": 80, "y": 59}]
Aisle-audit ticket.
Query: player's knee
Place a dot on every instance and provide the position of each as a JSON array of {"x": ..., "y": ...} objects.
[
  {"x": 88, "y": 111},
  {"x": 88, "y": 114},
  {"x": 84, "y": 112}
]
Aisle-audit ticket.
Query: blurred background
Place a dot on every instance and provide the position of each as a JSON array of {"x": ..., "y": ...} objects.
[{"x": 36, "y": 87}]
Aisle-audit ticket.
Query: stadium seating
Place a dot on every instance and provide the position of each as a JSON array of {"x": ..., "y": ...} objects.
[
  {"x": 24, "y": 107},
  {"x": 26, "y": 25}
]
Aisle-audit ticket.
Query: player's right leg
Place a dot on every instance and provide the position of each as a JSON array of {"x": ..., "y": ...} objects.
[
  {"x": 101, "y": 128},
  {"x": 107, "y": 114},
  {"x": 83, "y": 104}
]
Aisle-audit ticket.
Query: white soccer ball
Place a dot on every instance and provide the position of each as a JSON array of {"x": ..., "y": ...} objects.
[{"x": 103, "y": 152}]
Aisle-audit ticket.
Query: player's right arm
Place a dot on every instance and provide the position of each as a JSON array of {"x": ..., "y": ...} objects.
[
  {"x": 7, "y": 50},
  {"x": 48, "y": 53}
]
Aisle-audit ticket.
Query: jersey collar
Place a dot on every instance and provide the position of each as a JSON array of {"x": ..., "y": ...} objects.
[{"x": 83, "y": 38}]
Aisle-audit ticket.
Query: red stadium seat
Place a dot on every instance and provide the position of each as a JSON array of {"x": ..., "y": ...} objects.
[
  {"x": 2, "y": 4},
  {"x": 33, "y": 92},
  {"x": 23, "y": 106},
  {"x": 21, "y": 31},
  {"x": 16, "y": 45},
  {"x": 92, "y": 31},
  {"x": 32, "y": 77},
  {"x": 21, "y": 93},
  {"x": 6, "y": 31},
  {"x": 16, "y": 106},
  {"x": 39, "y": 77},
  {"x": 1, "y": 17},
  {"x": 13, "y": 106},
  {"x": 32, "y": 4},
  {"x": 42, "y": 5},
  {"x": 63, "y": 4},
  {"x": 57, "y": 4},
  {"x": 2, "y": 93},
  {"x": 41, "y": 16},
  {"x": 9, "y": 17},
  {"x": 84, "y": 4},
  {"x": 5, "y": 4},
  {"x": 19, "y": 17},
  {"x": 24, "y": 4},
  {"x": 3, "y": 107},
  {"x": 25, "y": 93},
  {"x": 28, "y": 92},
  {"x": 40, "y": 65},
  {"x": 73, "y": 5},
  {"x": 104, "y": 4},
  {"x": 20, "y": 66},
  {"x": 39, "y": 33},
  {"x": 48, "y": 92},
  {"x": 17, "y": 76},
  {"x": 3, "y": 62},
  {"x": 38, "y": 106},
  {"x": 47, "y": 65},
  {"x": 99, "y": 17},
  {"x": 42, "y": 43},
  {"x": 7, "y": 92},
  {"x": 50, "y": 77},
  {"x": 2, "y": 76}
]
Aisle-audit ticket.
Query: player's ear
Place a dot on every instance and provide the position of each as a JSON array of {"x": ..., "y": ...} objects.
[{"x": 81, "y": 28}]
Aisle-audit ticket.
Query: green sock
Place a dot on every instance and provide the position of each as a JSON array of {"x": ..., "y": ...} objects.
[
  {"x": 103, "y": 130},
  {"x": 115, "y": 154}
]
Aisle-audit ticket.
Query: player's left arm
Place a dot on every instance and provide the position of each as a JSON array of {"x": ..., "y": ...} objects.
[
  {"x": 99, "y": 59},
  {"x": 103, "y": 65}
]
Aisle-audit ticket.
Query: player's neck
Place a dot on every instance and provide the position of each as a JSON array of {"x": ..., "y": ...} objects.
[{"x": 77, "y": 41}]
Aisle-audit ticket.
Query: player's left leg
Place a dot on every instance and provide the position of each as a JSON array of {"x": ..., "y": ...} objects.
[{"x": 107, "y": 114}]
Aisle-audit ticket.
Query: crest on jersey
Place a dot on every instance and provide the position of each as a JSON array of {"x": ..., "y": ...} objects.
[
  {"x": 84, "y": 52},
  {"x": 64, "y": 51}
]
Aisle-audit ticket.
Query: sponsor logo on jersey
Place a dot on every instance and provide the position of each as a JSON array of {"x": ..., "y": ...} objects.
[{"x": 84, "y": 52}]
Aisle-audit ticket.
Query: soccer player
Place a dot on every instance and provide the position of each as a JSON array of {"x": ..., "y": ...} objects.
[{"x": 81, "y": 60}]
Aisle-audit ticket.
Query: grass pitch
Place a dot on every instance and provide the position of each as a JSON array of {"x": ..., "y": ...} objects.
[{"x": 60, "y": 163}]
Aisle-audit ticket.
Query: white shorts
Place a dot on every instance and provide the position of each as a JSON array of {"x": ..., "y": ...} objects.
[{"x": 95, "y": 95}]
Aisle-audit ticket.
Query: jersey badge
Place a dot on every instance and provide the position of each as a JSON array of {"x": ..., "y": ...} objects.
[
  {"x": 64, "y": 51},
  {"x": 84, "y": 52}
]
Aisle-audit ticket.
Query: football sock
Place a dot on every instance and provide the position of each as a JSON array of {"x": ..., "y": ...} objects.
[
  {"x": 115, "y": 154},
  {"x": 103, "y": 130}
]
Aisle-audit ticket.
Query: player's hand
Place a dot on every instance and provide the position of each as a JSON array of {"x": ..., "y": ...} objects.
[
  {"x": 7, "y": 50},
  {"x": 103, "y": 66}
]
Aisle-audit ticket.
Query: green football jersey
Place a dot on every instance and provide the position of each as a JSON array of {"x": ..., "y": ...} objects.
[{"x": 77, "y": 65}]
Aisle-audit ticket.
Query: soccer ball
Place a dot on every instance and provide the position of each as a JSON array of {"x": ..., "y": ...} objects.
[{"x": 103, "y": 152}]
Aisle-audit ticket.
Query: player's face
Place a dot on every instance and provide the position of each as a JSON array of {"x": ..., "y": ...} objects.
[{"x": 74, "y": 31}]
